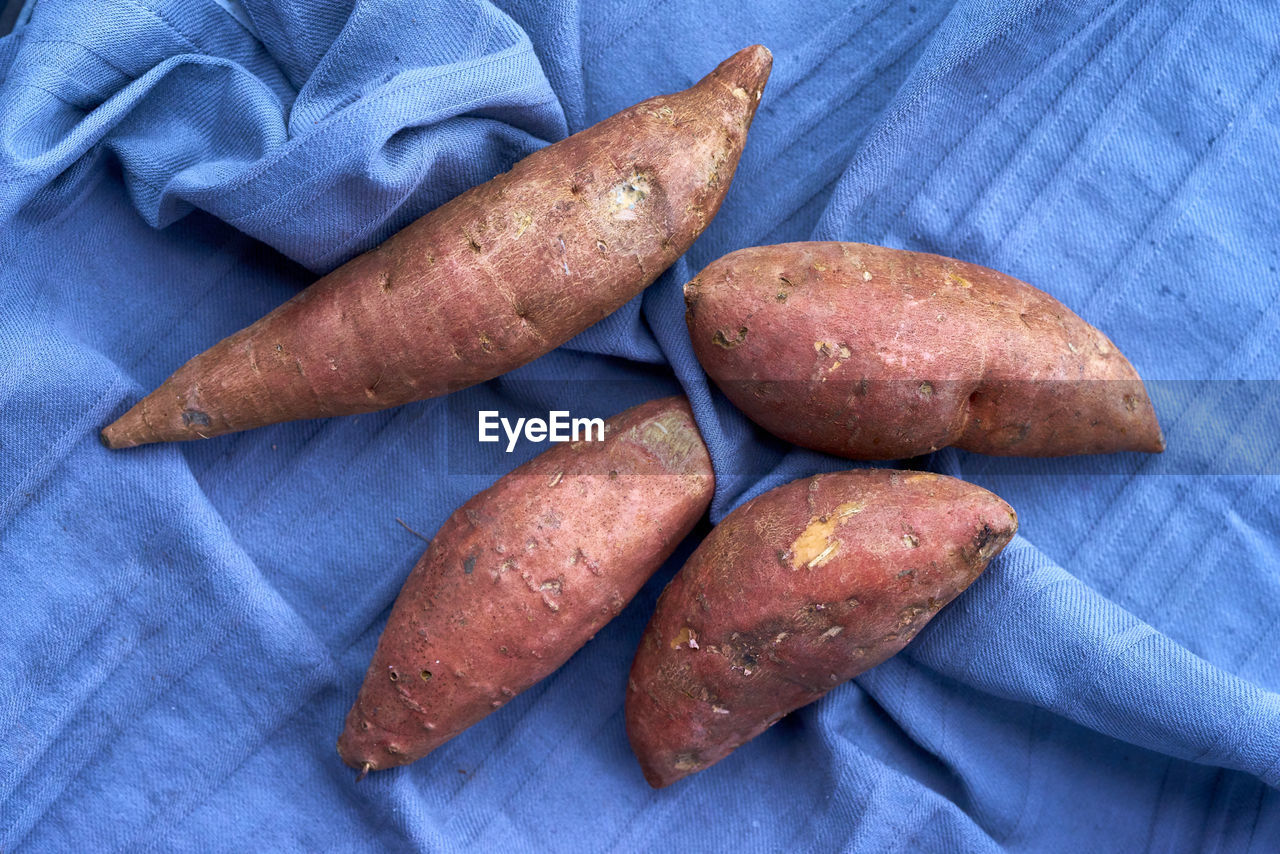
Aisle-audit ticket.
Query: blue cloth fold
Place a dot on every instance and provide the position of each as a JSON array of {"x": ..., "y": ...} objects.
[{"x": 184, "y": 627}]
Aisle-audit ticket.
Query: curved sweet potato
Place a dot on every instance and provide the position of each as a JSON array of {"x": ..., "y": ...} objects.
[
  {"x": 483, "y": 284},
  {"x": 874, "y": 353},
  {"x": 794, "y": 593},
  {"x": 525, "y": 573}
]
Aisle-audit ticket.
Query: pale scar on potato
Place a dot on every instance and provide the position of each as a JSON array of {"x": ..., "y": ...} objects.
[
  {"x": 815, "y": 546},
  {"x": 685, "y": 636},
  {"x": 628, "y": 194},
  {"x": 670, "y": 437}
]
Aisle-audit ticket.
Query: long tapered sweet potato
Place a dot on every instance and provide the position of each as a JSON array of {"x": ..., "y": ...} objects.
[
  {"x": 525, "y": 573},
  {"x": 489, "y": 281},
  {"x": 794, "y": 593},
  {"x": 874, "y": 353}
]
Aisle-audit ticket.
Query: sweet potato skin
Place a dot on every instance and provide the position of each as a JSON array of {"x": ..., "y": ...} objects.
[
  {"x": 500, "y": 275},
  {"x": 525, "y": 573},
  {"x": 795, "y": 592},
  {"x": 873, "y": 353}
]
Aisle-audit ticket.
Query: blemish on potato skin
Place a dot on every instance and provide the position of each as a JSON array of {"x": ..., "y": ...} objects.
[
  {"x": 626, "y": 196},
  {"x": 687, "y": 762},
  {"x": 721, "y": 340},
  {"x": 815, "y": 545},
  {"x": 685, "y": 637},
  {"x": 691, "y": 294},
  {"x": 983, "y": 540}
]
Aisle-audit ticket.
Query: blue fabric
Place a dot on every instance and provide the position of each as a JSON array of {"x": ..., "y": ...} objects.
[{"x": 182, "y": 628}]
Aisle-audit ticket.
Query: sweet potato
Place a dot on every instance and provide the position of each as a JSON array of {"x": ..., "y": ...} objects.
[
  {"x": 873, "y": 353},
  {"x": 794, "y": 593},
  {"x": 487, "y": 282},
  {"x": 525, "y": 573}
]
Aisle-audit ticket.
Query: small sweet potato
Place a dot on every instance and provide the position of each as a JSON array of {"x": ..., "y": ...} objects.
[
  {"x": 795, "y": 592},
  {"x": 483, "y": 284},
  {"x": 524, "y": 574},
  {"x": 873, "y": 353}
]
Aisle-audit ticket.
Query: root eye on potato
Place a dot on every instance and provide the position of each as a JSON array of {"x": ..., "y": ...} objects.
[{"x": 794, "y": 593}]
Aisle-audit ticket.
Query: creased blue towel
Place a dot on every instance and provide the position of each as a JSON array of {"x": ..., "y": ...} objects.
[{"x": 182, "y": 628}]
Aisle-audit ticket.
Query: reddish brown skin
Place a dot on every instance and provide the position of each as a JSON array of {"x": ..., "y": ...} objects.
[
  {"x": 487, "y": 282},
  {"x": 759, "y": 622},
  {"x": 873, "y": 353},
  {"x": 524, "y": 574}
]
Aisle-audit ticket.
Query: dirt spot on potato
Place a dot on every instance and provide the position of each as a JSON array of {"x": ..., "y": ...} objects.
[
  {"x": 691, "y": 293},
  {"x": 987, "y": 541},
  {"x": 687, "y": 762},
  {"x": 724, "y": 341}
]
